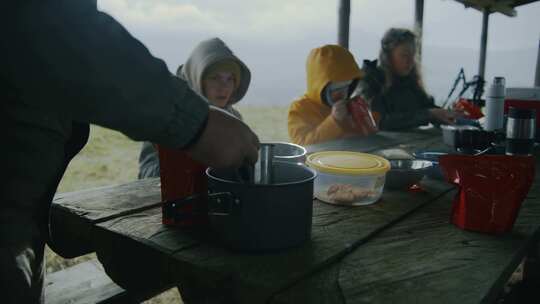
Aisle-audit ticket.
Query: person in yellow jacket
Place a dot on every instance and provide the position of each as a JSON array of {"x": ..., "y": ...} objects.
[{"x": 322, "y": 113}]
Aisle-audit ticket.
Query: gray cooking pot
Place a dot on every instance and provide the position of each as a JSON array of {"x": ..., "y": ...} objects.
[{"x": 262, "y": 217}]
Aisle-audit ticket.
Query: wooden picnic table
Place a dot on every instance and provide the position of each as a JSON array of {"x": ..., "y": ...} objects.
[{"x": 402, "y": 249}]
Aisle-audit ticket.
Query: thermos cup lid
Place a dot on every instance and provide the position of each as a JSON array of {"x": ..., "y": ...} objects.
[{"x": 520, "y": 113}]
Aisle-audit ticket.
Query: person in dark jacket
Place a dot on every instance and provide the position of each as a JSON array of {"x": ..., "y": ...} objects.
[
  {"x": 68, "y": 65},
  {"x": 402, "y": 101},
  {"x": 213, "y": 71}
]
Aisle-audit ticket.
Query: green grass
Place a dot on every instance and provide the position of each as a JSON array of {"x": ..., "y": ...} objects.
[{"x": 111, "y": 158}]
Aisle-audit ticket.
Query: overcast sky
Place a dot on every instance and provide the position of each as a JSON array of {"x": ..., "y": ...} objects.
[{"x": 274, "y": 37}]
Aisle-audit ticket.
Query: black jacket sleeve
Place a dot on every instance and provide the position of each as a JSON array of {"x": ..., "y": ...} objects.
[
  {"x": 395, "y": 121},
  {"x": 69, "y": 57}
]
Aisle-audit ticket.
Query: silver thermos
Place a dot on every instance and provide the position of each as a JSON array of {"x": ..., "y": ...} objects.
[
  {"x": 520, "y": 131},
  {"x": 495, "y": 105}
]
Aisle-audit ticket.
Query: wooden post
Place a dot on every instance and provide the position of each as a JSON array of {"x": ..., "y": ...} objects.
[
  {"x": 344, "y": 13},
  {"x": 537, "y": 77},
  {"x": 418, "y": 25},
  {"x": 483, "y": 43}
]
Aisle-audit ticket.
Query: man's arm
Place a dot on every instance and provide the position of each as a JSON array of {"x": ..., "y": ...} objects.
[
  {"x": 398, "y": 120},
  {"x": 74, "y": 59}
]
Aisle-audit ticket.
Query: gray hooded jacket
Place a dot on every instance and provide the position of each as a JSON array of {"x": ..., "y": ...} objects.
[{"x": 203, "y": 56}]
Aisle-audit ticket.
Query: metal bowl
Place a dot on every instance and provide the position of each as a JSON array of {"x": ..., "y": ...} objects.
[
  {"x": 434, "y": 171},
  {"x": 406, "y": 172},
  {"x": 288, "y": 152}
]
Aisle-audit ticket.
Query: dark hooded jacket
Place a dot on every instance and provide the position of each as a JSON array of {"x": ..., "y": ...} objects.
[
  {"x": 203, "y": 56},
  {"x": 403, "y": 105},
  {"x": 64, "y": 65}
]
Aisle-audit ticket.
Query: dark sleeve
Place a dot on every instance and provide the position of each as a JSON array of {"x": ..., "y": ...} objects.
[
  {"x": 398, "y": 120},
  {"x": 148, "y": 161},
  {"x": 69, "y": 57},
  {"x": 429, "y": 102}
]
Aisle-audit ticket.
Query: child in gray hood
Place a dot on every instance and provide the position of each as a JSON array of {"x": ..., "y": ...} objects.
[{"x": 213, "y": 71}]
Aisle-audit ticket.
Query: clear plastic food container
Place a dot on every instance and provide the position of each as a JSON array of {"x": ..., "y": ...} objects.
[{"x": 348, "y": 178}]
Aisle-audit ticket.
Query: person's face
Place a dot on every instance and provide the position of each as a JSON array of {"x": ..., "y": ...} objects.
[
  {"x": 218, "y": 88},
  {"x": 402, "y": 59},
  {"x": 336, "y": 91},
  {"x": 338, "y": 95}
]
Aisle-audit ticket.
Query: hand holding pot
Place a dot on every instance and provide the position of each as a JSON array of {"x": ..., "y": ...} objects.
[{"x": 226, "y": 142}]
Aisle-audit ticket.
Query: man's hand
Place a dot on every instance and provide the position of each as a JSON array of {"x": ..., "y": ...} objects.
[{"x": 226, "y": 142}]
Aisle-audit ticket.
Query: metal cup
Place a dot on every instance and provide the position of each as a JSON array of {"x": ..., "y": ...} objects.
[
  {"x": 520, "y": 131},
  {"x": 264, "y": 166}
]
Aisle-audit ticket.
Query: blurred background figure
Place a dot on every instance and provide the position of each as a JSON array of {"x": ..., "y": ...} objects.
[
  {"x": 323, "y": 114},
  {"x": 213, "y": 71},
  {"x": 401, "y": 100}
]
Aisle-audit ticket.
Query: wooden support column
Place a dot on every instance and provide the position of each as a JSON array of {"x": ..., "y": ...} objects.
[
  {"x": 537, "y": 77},
  {"x": 483, "y": 43},
  {"x": 418, "y": 25},
  {"x": 344, "y": 13}
]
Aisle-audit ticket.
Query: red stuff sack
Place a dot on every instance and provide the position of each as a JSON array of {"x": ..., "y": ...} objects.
[
  {"x": 182, "y": 177},
  {"x": 491, "y": 189},
  {"x": 468, "y": 108}
]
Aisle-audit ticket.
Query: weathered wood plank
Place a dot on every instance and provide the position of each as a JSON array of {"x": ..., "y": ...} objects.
[
  {"x": 95, "y": 204},
  {"x": 439, "y": 262},
  {"x": 252, "y": 277},
  {"x": 83, "y": 283},
  {"x": 436, "y": 262},
  {"x": 74, "y": 213},
  {"x": 125, "y": 238}
]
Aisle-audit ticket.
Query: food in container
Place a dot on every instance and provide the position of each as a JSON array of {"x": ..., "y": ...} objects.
[
  {"x": 346, "y": 193},
  {"x": 348, "y": 178}
]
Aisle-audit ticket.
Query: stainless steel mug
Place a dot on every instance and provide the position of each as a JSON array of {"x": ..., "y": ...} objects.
[{"x": 520, "y": 131}]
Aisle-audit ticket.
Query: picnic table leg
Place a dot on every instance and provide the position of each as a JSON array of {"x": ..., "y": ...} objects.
[
  {"x": 192, "y": 292},
  {"x": 141, "y": 275},
  {"x": 526, "y": 291},
  {"x": 531, "y": 271},
  {"x": 145, "y": 275}
]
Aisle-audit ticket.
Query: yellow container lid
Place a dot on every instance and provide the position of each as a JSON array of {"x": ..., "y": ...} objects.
[{"x": 348, "y": 163}]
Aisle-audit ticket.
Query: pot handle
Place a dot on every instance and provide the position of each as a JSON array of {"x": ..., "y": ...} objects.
[
  {"x": 184, "y": 210},
  {"x": 195, "y": 205},
  {"x": 221, "y": 203}
]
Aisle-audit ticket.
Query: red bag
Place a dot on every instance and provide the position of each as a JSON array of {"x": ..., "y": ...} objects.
[
  {"x": 182, "y": 177},
  {"x": 491, "y": 189},
  {"x": 469, "y": 109}
]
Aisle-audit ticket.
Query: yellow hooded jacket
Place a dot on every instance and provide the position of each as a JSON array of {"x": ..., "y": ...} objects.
[{"x": 309, "y": 119}]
